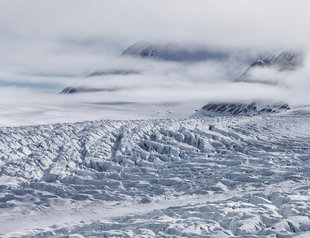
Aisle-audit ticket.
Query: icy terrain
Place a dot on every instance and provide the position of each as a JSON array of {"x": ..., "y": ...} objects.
[{"x": 209, "y": 177}]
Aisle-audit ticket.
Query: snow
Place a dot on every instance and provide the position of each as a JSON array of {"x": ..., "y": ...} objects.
[
  {"x": 265, "y": 69},
  {"x": 210, "y": 176}
]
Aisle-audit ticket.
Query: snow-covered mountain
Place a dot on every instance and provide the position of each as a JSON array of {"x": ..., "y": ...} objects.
[
  {"x": 84, "y": 90},
  {"x": 98, "y": 73},
  {"x": 202, "y": 177},
  {"x": 175, "y": 52},
  {"x": 241, "y": 109},
  {"x": 258, "y": 71},
  {"x": 113, "y": 72},
  {"x": 164, "y": 52},
  {"x": 284, "y": 61}
]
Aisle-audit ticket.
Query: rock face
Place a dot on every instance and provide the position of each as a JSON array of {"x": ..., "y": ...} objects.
[
  {"x": 285, "y": 61},
  {"x": 113, "y": 72},
  {"x": 240, "y": 109},
  {"x": 70, "y": 90},
  {"x": 174, "y": 52}
]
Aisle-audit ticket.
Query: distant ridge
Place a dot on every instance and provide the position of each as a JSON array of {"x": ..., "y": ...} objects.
[
  {"x": 284, "y": 61},
  {"x": 242, "y": 109},
  {"x": 174, "y": 52}
]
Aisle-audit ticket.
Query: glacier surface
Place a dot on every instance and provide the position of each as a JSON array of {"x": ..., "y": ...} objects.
[{"x": 201, "y": 177}]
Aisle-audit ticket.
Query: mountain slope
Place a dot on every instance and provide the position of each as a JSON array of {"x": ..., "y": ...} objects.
[
  {"x": 242, "y": 109},
  {"x": 283, "y": 62},
  {"x": 175, "y": 52}
]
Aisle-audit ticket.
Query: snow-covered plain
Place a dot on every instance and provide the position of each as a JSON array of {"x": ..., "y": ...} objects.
[{"x": 209, "y": 177}]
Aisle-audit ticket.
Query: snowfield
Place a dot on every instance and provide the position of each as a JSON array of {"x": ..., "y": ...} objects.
[{"x": 199, "y": 177}]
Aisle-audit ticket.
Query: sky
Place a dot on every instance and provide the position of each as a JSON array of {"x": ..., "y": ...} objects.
[
  {"x": 48, "y": 45},
  {"x": 70, "y": 37}
]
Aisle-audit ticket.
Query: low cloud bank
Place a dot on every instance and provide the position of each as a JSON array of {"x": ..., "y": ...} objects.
[{"x": 46, "y": 47}]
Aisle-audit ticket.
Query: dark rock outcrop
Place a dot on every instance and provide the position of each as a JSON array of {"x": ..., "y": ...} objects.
[
  {"x": 242, "y": 109},
  {"x": 113, "y": 72},
  {"x": 71, "y": 90}
]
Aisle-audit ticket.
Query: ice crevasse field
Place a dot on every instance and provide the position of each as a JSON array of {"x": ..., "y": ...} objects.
[{"x": 202, "y": 177}]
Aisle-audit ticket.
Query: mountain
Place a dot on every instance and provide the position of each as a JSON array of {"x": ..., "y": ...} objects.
[
  {"x": 70, "y": 90},
  {"x": 79, "y": 89},
  {"x": 241, "y": 109},
  {"x": 113, "y": 72},
  {"x": 175, "y": 52},
  {"x": 165, "y": 52},
  {"x": 284, "y": 61}
]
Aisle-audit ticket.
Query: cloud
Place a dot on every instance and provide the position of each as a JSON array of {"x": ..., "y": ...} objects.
[
  {"x": 74, "y": 35},
  {"x": 45, "y": 46},
  {"x": 249, "y": 22}
]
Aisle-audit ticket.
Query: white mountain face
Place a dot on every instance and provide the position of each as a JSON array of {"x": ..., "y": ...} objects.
[
  {"x": 283, "y": 62},
  {"x": 220, "y": 177},
  {"x": 286, "y": 60}
]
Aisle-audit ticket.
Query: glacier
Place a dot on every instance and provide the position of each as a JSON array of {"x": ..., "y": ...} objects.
[{"x": 224, "y": 176}]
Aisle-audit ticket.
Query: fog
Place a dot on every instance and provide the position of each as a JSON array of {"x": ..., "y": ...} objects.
[{"x": 47, "y": 46}]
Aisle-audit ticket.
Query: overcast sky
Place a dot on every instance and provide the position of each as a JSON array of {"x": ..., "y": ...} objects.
[
  {"x": 72, "y": 35},
  {"x": 118, "y": 22}
]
